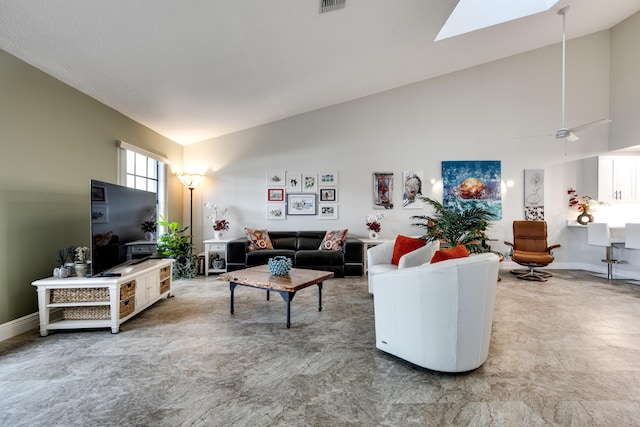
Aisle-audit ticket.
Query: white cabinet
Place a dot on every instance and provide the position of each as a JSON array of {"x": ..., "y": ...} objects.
[
  {"x": 102, "y": 302},
  {"x": 215, "y": 249},
  {"x": 618, "y": 178}
]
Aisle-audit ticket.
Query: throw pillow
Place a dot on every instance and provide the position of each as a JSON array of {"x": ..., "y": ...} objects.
[
  {"x": 404, "y": 245},
  {"x": 333, "y": 240},
  {"x": 259, "y": 239},
  {"x": 459, "y": 251}
]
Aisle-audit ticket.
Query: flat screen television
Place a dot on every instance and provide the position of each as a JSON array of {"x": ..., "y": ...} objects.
[{"x": 117, "y": 214}]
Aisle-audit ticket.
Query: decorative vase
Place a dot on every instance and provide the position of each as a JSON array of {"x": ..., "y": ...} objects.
[
  {"x": 218, "y": 234},
  {"x": 373, "y": 234},
  {"x": 279, "y": 265},
  {"x": 82, "y": 269},
  {"x": 218, "y": 264},
  {"x": 148, "y": 235},
  {"x": 584, "y": 218}
]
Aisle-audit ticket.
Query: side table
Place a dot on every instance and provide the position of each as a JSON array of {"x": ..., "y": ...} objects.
[{"x": 213, "y": 247}]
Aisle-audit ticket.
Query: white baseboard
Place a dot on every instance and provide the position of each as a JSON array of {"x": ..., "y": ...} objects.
[{"x": 19, "y": 326}]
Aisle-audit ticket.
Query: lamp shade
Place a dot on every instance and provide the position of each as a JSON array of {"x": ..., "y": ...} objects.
[{"x": 191, "y": 180}]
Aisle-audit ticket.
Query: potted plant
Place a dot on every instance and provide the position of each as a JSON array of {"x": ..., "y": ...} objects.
[
  {"x": 173, "y": 244},
  {"x": 81, "y": 258},
  {"x": 454, "y": 228},
  {"x": 64, "y": 259}
]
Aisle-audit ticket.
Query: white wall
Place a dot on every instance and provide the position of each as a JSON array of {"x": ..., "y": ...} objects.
[{"x": 475, "y": 114}]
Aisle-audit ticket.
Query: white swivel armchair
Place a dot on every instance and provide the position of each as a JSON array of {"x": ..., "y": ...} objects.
[
  {"x": 599, "y": 234},
  {"x": 379, "y": 258},
  {"x": 438, "y": 316}
]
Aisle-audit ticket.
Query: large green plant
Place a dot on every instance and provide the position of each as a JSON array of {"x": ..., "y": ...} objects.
[
  {"x": 174, "y": 244},
  {"x": 455, "y": 228}
]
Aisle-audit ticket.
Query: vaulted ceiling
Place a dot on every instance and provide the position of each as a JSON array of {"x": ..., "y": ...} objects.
[{"x": 204, "y": 68}]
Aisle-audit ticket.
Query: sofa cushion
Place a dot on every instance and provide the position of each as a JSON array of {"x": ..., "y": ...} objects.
[
  {"x": 333, "y": 240},
  {"x": 259, "y": 239},
  {"x": 459, "y": 251},
  {"x": 404, "y": 245},
  {"x": 319, "y": 258},
  {"x": 262, "y": 257}
]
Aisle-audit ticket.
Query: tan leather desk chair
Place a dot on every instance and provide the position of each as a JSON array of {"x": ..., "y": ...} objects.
[{"x": 530, "y": 249}]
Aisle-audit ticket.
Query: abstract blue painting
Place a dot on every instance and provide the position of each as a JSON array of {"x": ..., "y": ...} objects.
[{"x": 475, "y": 183}]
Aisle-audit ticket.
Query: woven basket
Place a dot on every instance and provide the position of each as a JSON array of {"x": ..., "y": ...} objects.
[
  {"x": 165, "y": 272},
  {"x": 80, "y": 295},
  {"x": 127, "y": 290},
  {"x": 279, "y": 265},
  {"x": 165, "y": 285},
  {"x": 101, "y": 312},
  {"x": 127, "y": 307}
]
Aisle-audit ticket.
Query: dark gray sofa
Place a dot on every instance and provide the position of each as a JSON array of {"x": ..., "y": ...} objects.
[{"x": 302, "y": 248}]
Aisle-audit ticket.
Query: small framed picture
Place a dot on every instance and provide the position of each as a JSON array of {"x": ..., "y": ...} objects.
[
  {"x": 275, "y": 194},
  {"x": 309, "y": 182},
  {"x": 328, "y": 211},
  {"x": 301, "y": 204},
  {"x": 275, "y": 178},
  {"x": 99, "y": 214},
  {"x": 328, "y": 178},
  {"x": 276, "y": 211},
  {"x": 294, "y": 182},
  {"x": 98, "y": 193},
  {"x": 328, "y": 194}
]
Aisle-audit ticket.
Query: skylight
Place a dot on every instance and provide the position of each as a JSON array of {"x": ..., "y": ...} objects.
[{"x": 472, "y": 15}]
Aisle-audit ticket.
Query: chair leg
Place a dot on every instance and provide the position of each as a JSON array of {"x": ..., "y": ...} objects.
[
  {"x": 528, "y": 271},
  {"x": 610, "y": 261},
  {"x": 533, "y": 275}
]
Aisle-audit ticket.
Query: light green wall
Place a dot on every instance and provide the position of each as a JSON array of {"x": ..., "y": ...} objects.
[{"x": 54, "y": 139}]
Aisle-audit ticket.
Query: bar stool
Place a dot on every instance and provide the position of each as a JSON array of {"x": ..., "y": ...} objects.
[
  {"x": 632, "y": 241},
  {"x": 599, "y": 234}
]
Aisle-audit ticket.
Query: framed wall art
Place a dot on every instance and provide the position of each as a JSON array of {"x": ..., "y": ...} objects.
[
  {"x": 309, "y": 182},
  {"x": 475, "y": 183},
  {"x": 275, "y": 178},
  {"x": 275, "y": 194},
  {"x": 328, "y": 194},
  {"x": 412, "y": 189},
  {"x": 276, "y": 211},
  {"x": 328, "y": 211},
  {"x": 301, "y": 204},
  {"x": 328, "y": 179},
  {"x": 383, "y": 190},
  {"x": 294, "y": 182}
]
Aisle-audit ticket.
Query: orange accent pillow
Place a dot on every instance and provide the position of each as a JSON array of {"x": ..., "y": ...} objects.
[
  {"x": 404, "y": 245},
  {"x": 459, "y": 251}
]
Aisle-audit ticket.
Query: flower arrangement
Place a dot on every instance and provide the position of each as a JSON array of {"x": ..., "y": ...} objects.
[
  {"x": 584, "y": 203},
  {"x": 373, "y": 222},
  {"x": 82, "y": 254},
  {"x": 219, "y": 222},
  {"x": 148, "y": 226}
]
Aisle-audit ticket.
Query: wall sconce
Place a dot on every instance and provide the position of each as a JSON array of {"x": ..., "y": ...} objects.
[{"x": 191, "y": 181}]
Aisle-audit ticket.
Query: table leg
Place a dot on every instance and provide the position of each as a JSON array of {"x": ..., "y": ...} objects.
[
  {"x": 320, "y": 296},
  {"x": 232, "y": 286},
  {"x": 288, "y": 297},
  {"x": 267, "y": 294}
]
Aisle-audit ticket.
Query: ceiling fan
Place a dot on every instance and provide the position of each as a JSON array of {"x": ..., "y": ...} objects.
[{"x": 564, "y": 132}]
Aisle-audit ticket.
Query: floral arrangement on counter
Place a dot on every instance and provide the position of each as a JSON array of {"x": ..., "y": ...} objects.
[
  {"x": 373, "y": 222},
  {"x": 584, "y": 203},
  {"x": 219, "y": 222}
]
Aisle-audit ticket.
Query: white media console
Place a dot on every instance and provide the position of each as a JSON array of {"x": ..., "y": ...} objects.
[{"x": 102, "y": 302}]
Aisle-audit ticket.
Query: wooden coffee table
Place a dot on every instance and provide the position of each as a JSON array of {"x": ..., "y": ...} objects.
[{"x": 286, "y": 286}]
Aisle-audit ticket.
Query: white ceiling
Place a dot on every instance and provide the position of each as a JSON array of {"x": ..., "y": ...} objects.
[{"x": 193, "y": 70}]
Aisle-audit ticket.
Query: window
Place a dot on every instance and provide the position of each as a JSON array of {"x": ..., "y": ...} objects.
[{"x": 144, "y": 170}]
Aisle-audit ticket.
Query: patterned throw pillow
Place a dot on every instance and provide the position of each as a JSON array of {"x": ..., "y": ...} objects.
[
  {"x": 333, "y": 240},
  {"x": 459, "y": 251},
  {"x": 404, "y": 245},
  {"x": 259, "y": 239}
]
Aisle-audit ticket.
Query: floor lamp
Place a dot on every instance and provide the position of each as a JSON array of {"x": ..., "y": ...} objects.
[{"x": 191, "y": 181}]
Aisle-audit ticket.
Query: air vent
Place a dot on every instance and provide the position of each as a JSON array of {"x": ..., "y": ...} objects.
[{"x": 329, "y": 5}]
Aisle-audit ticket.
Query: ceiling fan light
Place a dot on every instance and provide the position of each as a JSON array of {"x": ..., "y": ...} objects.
[{"x": 572, "y": 137}]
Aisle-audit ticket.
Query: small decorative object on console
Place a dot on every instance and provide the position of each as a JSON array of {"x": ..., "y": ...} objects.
[
  {"x": 220, "y": 224},
  {"x": 373, "y": 225},
  {"x": 586, "y": 205},
  {"x": 280, "y": 265}
]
